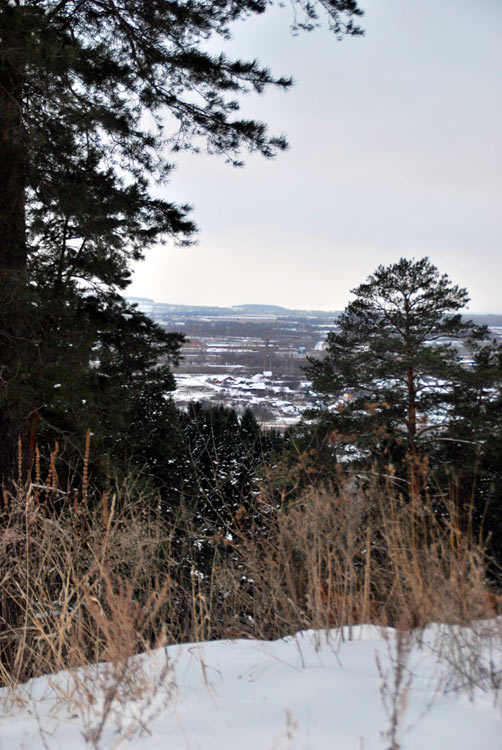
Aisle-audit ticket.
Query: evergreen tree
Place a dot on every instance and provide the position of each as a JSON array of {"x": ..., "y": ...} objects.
[
  {"x": 393, "y": 381},
  {"x": 85, "y": 87},
  {"x": 466, "y": 456},
  {"x": 136, "y": 422},
  {"x": 228, "y": 453},
  {"x": 408, "y": 384}
]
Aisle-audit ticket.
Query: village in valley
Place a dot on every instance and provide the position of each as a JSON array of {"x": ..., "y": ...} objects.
[
  {"x": 245, "y": 356},
  {"x": 252, "y": 355}
]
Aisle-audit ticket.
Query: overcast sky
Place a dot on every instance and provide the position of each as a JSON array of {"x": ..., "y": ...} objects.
[{"x": 395, "y": 150}]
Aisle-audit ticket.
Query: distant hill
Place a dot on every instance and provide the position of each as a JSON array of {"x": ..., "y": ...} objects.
[
  {"x": 141, "y": 300},
  {"x": 260, "y": 308},
  {"x": 485, "y": 320},
  {"x": 252, "y": 310},
  {"x": 149, "y": 305}
]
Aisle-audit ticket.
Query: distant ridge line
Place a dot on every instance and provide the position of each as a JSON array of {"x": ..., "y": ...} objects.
[
  {"x": 247, "y": 309},
  {"x": 489, "y": 319}
]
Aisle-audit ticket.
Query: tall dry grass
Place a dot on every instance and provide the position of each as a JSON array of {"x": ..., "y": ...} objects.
[
  {"x": 80, "y": 585},
  {"x": 339, "y": 558},
  {"x": 76, "y": 586}
]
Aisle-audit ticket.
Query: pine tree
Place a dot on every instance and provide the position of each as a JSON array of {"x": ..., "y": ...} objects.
[
  {"x": 85, "y": 88},
  {"x": 228, "y": 453},
  {"x": 393, "y": 378},
  {"x": 408, "y": 385},
  {"x": 466, "y": 456}
]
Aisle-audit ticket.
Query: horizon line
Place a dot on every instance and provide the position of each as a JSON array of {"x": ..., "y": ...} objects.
[{"x": 268, "y": 304}]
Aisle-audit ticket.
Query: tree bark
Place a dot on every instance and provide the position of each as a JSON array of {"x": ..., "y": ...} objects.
[
  {"x": 412, "y": 408},
  {"x": 12, "y": 146},
  {"x": 13, "y": 251}
]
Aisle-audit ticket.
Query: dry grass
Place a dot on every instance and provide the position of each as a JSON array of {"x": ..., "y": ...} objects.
[
  {"x": 76, "y": 587},
  {"x": 80, "y": 586},
  {"x": 339, "y": 558},
  {"x": 79, "y": 592},
  {"x": 87, "y": 586}
]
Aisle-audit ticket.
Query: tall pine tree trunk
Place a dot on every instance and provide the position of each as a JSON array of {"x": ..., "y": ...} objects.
[
  {"x": 12, "y": 146},
  {"x": 13, "y": 253},
  {"x": 14, "y": 336},
  {"x": 411, "y": 417}
]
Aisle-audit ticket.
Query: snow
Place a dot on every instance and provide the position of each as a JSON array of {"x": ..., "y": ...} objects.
[
  {"x": 311, "y": 691},
  {"x": 239, "y": 392}
]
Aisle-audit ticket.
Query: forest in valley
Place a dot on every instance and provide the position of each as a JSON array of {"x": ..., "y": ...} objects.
[{"x": 128, "y": 519}]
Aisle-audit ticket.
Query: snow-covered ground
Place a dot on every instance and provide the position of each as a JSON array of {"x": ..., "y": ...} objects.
[
  {"x": 315, "y": 691},
  {"x": 283, "y": 405}
]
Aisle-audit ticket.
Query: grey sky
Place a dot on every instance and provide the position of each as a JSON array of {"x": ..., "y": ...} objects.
[{"x": 395, "y": 150}]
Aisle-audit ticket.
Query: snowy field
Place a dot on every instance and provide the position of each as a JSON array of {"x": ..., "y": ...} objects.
[
  {"x": 243, "y": 392},
  {"x": 367, "y": 690}
]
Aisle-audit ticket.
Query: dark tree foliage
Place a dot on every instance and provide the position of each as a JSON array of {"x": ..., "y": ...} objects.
[
  {"x": 407, "y": 381},
  {"x": 307, "y": 459},
  {"x": 393, "y": 366},
  {"x": 467, "y": 456},
  {"x": 86, "y": 89},
  {"x": 227, "y": 453},
  {"x": 95, "y": 363},
  {"x": 229, "y": 457}
]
